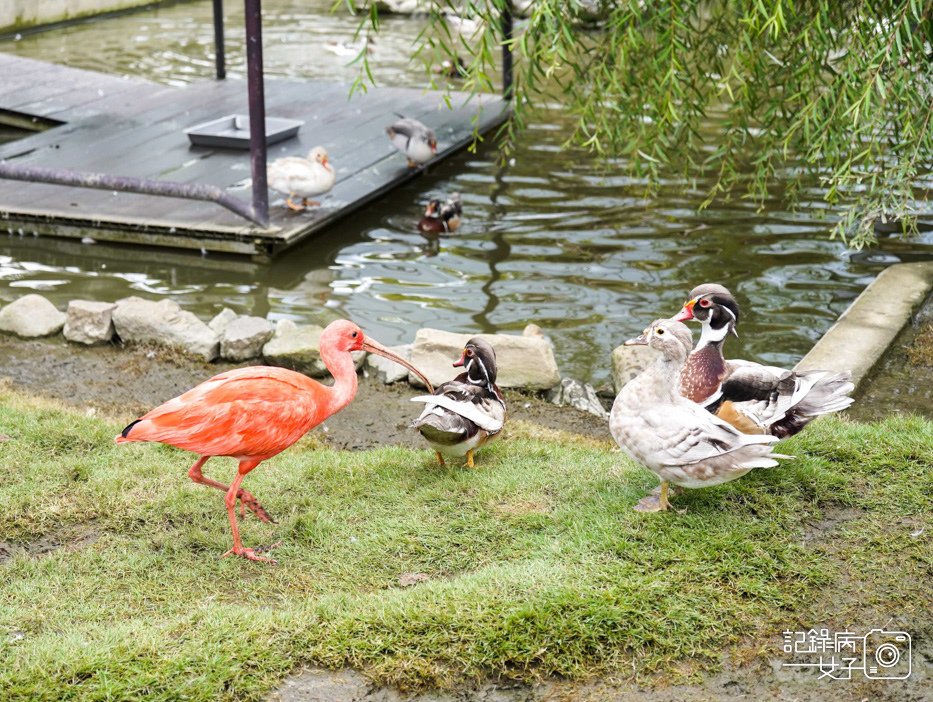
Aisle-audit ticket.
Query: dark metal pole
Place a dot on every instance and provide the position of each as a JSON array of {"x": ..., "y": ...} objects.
[
  {"x": 219, "y": 59},
  {"x": 127, "y": 184},
  {"x": 507, "y": 49},
  {"x": 257, "y": 109}
]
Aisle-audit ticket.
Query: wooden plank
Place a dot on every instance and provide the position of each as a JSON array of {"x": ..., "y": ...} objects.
[{"x": 138, "y": 131}]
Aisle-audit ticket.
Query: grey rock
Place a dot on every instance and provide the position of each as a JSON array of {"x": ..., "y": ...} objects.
[
  {"x": 629, "y": 361},
  {"x": 89, "y": 322},
  {"x": 581, "y": 396},
  {"x": 297, "y": 346},
  {"x": 221, "y": 320},
  {"x": 523, "y": 361},
  {"x": 389, "y": 371},
  {"x": 164, "y": 322},
  {"x": 244, "y": 337},
  {"x": 31, "y": 316}
]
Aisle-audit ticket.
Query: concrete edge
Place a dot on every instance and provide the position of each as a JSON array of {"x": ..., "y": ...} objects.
[{"x": 862, "y": 334}]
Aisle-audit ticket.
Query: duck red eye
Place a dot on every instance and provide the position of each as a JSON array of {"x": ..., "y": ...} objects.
[{"x": 704, "y": 303}]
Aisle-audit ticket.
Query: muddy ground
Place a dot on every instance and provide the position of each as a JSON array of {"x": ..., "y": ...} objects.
[{"x": 124, "y": 383}]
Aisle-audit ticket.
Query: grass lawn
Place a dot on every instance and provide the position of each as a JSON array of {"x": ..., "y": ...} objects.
[{"x": 112, "y": 586}]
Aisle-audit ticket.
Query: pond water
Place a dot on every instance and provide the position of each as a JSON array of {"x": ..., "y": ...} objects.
[{"x": 553, "y": 238}]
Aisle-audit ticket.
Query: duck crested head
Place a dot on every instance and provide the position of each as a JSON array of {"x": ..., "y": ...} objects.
[
  {"x": 711, "y": 304},
  {"x": 479, "y": 361}
]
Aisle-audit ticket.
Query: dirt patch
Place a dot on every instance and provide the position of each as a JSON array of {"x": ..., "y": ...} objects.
[
  {"x": 521, "y": 508},
  {"x": 73, "y": 541},
  {"x": 822, "y": 532},
  {"x": 747, "y": 684},
  {"x": 127, "y": 382}
]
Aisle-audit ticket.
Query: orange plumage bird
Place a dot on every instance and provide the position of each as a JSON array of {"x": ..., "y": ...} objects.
[{"x": 254, "y": 413}]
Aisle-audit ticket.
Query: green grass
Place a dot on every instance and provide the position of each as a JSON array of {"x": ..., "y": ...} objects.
[{"x": 537, "y": 563}]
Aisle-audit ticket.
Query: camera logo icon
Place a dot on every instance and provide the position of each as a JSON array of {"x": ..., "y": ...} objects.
[{"x": 887, "y": 655}]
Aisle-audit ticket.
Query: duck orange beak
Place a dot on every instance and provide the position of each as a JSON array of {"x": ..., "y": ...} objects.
[
  {"x": 375, "y": 347},
  {"x": 687, "y": 312},
  {"x": 460, "y": 361}
]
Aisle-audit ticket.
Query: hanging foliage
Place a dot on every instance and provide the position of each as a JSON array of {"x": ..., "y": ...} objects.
[{"x": 758, "y": 95}]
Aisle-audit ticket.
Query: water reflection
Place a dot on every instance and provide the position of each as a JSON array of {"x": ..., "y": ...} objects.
[{"x": 552, "y": 238}]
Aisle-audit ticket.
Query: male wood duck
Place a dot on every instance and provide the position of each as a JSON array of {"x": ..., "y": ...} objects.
[
  {"x": 442, "y": 218},
  {"x": 467, "y": 412},
  {"x": 752, "y": 397},
  {"x": 294, "y": 176},
  {"x": 676, "y": 439},
  {"x": 414, "y": 139}
]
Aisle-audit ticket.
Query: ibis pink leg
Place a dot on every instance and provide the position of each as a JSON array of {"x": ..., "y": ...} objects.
[
  {"x": 249, "y": 553},
  {"x": 246, "y": 498}
]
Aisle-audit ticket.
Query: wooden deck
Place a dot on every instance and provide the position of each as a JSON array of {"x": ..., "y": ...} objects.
[{"x": 132, "y": 127}]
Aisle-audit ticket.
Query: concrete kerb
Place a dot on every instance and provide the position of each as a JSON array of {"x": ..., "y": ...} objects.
[{"x": 863, "y": 333}]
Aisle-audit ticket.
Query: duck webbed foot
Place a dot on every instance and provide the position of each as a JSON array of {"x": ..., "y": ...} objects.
[
  {"x": 293, "y": 205},
  {"x": 656, "y": 500}
]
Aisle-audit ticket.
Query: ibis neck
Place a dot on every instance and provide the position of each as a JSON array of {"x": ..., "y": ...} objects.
[{"x": 341, "y": 366}]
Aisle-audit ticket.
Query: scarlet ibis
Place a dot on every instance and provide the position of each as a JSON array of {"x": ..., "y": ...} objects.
[{"x": 254, "y": 413}]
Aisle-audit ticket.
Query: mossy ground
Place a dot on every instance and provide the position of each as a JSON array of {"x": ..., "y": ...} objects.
[
  {"x": 920, "y": 353},
  {"x": 113, "y": 587}
]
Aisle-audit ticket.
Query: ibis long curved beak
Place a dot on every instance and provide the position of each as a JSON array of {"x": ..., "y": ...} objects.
[
  {"x": 375, "y": 347},
  {"x": 686, "y": 313},
  {"x": 638, "y": 340}
]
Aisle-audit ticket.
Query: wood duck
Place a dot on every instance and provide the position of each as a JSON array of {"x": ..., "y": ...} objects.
[
  {"x": 752, "y": 397},
  {"x": 417, "y": 141},
  {"x": 676, "y": 439},
  {"x": 467, "y": 412},
  {"x": 294, "y": 176},
  {"x": 442, "y": 218}
]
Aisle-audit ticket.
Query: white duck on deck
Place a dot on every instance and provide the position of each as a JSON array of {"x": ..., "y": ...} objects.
[{"x": 306, "y": 178}]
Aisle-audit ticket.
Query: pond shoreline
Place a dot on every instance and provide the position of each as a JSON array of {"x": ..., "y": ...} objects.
[{"x": 124, "y": 383}]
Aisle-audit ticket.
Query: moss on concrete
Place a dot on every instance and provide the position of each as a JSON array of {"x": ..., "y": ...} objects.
[{"x": 920, "y": 352}]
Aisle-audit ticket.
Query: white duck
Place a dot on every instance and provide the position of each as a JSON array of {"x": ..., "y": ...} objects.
[
  {"x": 294, "y": 176},
  {"x": 676, "y": 439},
  {"x": 416, "y": 140}
]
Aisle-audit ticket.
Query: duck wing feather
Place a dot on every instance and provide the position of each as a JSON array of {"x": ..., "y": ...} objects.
[{"x": 468, "y": 401}]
